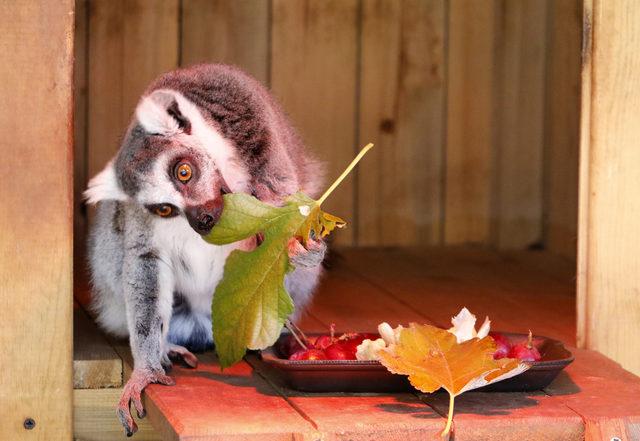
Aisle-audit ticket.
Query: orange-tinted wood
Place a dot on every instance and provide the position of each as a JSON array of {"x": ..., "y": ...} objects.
[
  {"x": 36, "y": 220},
  {"x": 237, "y": 404},
  {"x": 437, "y": 283}
]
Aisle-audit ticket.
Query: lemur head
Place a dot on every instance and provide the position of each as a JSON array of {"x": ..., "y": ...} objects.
[{"x": 173, "y": 162}]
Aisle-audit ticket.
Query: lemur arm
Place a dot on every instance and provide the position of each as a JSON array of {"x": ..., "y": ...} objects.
[{"x": 147, "y": 289}]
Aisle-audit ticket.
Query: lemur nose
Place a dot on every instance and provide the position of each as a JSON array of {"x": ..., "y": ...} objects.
[{"x": 205, "y": 222}]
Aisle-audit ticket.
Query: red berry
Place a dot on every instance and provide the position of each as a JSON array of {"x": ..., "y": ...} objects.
[
  {"x": 503, "y": 345},
  {"x": 338, "y": 351},
  {"x": 350, "y": 342},
  {"x": 309, "y": 354},
  {"x": 323, "y": 341},
  {"x": 290, "y": 346},
  {"x": 525, "y": 350}
]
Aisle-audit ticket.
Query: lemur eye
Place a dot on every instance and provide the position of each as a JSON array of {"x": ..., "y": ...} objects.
[
  {"x": 184, "y": 172},
  {"x": 163, "y": 210}
]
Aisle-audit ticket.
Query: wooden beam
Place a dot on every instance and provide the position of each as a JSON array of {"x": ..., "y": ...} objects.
[
  {"x": 609, "y": 267},
  {"x": 470, "y": 124},
  {"x": 314, "y": 51},
  {"x": 222, "y": 31},
  {"x": 402, "y": 89},
  {"x": 36, "y": 72}
]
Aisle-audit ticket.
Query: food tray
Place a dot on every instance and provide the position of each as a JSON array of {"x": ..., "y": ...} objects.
[{"x": 371, "y": 376}]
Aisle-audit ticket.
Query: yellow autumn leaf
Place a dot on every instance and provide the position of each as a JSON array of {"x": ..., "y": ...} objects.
[{"x": 433, "y": 359}]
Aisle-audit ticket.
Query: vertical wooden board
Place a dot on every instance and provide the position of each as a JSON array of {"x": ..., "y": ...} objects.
[
  {"x": 130, "y": 43},
  {"x": 36, "y": 71},
  {"x": 79, "y": 129},
  {"x": 520, "y": 97},
  {"x": 562, "y": 112},
  {"x": 401, "y": 111},
  {"x": 313, "y": 73},
  {"x": 221, "y": 31},
  {"x": 470, "y": 125},
  {"x": 612, "y": 228}
]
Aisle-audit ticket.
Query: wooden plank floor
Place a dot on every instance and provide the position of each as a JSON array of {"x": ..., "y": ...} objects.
[{"x": 519, "y": 291}]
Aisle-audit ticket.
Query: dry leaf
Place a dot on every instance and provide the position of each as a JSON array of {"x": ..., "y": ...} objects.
[{"x": 433, "y": 359}]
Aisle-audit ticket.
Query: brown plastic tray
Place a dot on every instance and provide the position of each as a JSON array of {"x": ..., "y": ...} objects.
[{"x": 371, "y": 376}]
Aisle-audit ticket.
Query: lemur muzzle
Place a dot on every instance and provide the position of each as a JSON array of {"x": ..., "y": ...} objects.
[{"x": 203, "y": 217}]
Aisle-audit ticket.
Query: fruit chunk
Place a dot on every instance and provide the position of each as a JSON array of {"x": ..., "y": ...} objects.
[
  {"x": 503, "y": 345},
  {"x": 338, "y": 351},
  {"x": 525, "y": 350},
  {"x": 309, "y": 354}
]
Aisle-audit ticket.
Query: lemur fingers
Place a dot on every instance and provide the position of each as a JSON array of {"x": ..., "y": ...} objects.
[
  {"x": 183, "y": 354},
  {"x": 308, "y": 257},
  {"x": 132, "y": 393}
]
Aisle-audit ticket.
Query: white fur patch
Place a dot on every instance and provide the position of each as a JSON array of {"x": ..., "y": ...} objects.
[
  {"x": 104, "y": 186},
  {"x": 153, "y": 116},
  {"x": 221, "y": 150}
]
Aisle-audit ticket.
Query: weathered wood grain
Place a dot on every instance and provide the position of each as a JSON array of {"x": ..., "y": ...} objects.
[
  {"x": 36, "y": 224},
  {"x": 130, "y": 43},
  {"x": 233, "y": 32},
  {"x": 313, "y": 73},
  {"x": 94, "y": 417},
  {"x": 470, "y": 121},
  {"x": 519, "y": 124},
  {"x": 402, "y": 111},
  {"x": 95, "y": 363},
  {"x": 562, "y": 113},
  {"x": 609, "y": 265}
]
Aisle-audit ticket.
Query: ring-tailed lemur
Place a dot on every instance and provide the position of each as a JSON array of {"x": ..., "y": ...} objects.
[{"x": 197, "y": 134}]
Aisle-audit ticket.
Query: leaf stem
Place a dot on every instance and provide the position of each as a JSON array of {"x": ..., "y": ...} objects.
[
  {"x": 344, "y": 174},
  {"x": 289, "y": 325},
  {"x": 447, "y": 428}
]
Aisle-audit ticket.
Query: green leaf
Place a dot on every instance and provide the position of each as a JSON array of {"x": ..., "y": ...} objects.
[{"x": 250, "y": 304}]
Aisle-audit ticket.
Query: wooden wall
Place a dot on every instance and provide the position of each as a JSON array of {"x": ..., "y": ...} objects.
[
  {"x": 473, "y": 105},
  {"x": 36, "y": 66},
  {"x": 608, "y": 264}
]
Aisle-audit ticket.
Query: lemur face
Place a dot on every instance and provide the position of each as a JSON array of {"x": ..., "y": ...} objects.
[
  {"x": 184, "y": 181},
  {"x": 173, "y": 163}
]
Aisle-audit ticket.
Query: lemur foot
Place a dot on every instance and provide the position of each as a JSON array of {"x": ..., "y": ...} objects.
[
  {"x": 182, "y": 353},
  {"x": 308, "y": 257},
  {"x": 140, "y": 378}
]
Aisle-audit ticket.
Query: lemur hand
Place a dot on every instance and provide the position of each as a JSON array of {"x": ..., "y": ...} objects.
[
  {"x": 306, "y": 257},
  {"x": 140, "y": 378}
]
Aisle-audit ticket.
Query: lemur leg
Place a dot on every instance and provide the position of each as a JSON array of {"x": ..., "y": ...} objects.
[{"x": 148, "y": 292}]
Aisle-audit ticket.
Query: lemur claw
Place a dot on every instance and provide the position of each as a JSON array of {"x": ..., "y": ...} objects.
[
  {"x": 183, "y": 354},
  {"x": 311, "y": 256},
  {"x": 140, "y": 378}
]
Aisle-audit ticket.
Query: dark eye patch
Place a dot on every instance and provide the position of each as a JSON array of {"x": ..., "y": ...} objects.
[{"x": 163, "y": 210}]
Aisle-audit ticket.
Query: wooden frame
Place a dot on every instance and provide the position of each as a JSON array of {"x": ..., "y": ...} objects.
[
  {"x": 609, "y": 236},
  {"x": 36, "y": 67}
]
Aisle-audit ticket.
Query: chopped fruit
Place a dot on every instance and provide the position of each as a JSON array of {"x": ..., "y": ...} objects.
[
  {"x": 525, "y": 350},
  {"x": 338, "y": 351},
  {"x": 368, "y": 349},
  {"x": 309, "y": 354},
  {"x": 503, "y": 344}
]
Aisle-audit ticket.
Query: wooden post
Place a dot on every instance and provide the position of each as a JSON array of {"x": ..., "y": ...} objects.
[
  {"x": 36, "y": 66},
  {"x": 609, "y": 237}
]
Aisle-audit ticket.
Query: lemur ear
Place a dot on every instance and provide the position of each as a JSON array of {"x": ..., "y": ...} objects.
[
  {"x": 104, "y": 186},
  {"x": 159, "y": 114}
]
